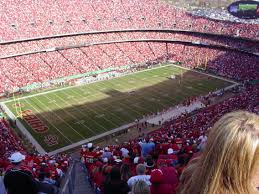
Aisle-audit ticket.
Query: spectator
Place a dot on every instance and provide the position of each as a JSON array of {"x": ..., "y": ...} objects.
[
  {"x": 18, "y": 179},
  {"x": 46, "y": 185},
  {"x": 149, "y": 163},
  {"x": 124, "y": 152},
  {"x": 170, "y": 173},
  {"x": 158, "y": 184},
  {"x": 202, "y": 139},
  {"x": 45, "y": 178},
  {"x": 229, "y": 161},
  {"x": 89, "y": 155},
  {"x": 140, "y": 187},
  {"x": 125, "y": 172},
  {"x": 99, "y": 179},
  {"x": 97, "y": 174},
  {"x": 107, "y": 154},
  {"x": 140, "y": 170},
  {"x": 146, "y": 148},
  {"x": 172, "y": 156},
  {"x": 113, "y": 183}
]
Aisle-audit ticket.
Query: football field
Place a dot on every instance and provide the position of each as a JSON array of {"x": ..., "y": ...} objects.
[{"x": 61, "y": 117}]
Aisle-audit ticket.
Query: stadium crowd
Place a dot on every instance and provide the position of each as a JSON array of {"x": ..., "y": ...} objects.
[
  {"x": 47, "y": 18},
  {"x": 160, "y": 157},
  {"x": 48, "y": 66},
  {"x": 48, "y": 170},
  {"x": 36, "y": 45}
]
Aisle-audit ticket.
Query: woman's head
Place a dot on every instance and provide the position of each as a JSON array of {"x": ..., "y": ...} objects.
[
  {"x": 140, "y": 187},
  {"x": 106, "y": 170},
  {"x": 115, "y": 174},
  {"x": 125, "y": 172},
  {"x": 230, "y": 158}
]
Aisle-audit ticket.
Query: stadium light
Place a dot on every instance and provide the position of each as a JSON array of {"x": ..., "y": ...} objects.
[{"x": 51, "y": 49}]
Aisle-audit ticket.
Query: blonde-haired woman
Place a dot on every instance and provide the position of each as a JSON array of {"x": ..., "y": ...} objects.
[
  {"x": 230, "y": 161},
  {"x": 140, "y": 187}
]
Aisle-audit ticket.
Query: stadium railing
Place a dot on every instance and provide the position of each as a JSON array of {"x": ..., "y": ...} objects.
[{"x": 69, "y": 185}]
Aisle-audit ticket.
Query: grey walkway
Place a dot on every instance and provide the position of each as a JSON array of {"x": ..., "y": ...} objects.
[{"x": 82, "y": 185}]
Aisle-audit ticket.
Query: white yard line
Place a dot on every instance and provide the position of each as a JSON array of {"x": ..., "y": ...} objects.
[
  {"x": 126, "y": 86},
  {"x": 71, "y": 106},
  {"x": 92, "y": 110},
  {"x": 129, "y": 106},
  {"x": 100, "y": 108},
  {"x": 193, "y": 89},
  {"x": 155, "y": 91},
  {"x": 78, "y": 110},
  {"x": 91, "y": 139},
  {"x": 49, "y": 122},
  {"x": 159, "y": 92},
  {"x": 60, "y": 118}
]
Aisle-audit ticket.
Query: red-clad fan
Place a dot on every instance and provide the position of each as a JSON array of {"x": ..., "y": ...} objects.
[
  {"x": 18, "y": 177},
  {"x": 188, "y": 148},
  {"x": 90, "y": 155},
  {"x": 159, "y": 185},
  {"x": 169, "y": 172},
  {"x": 17, "y": 161}
]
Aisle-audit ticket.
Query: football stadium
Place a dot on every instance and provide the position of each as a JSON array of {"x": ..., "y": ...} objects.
[{"x": 137, "y": 96}]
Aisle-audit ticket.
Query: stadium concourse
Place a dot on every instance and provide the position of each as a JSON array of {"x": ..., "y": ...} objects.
[{"x": 40, "y": 43}]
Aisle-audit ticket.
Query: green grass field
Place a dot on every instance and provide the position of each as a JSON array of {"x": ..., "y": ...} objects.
[{"x": 76, "y": 113}]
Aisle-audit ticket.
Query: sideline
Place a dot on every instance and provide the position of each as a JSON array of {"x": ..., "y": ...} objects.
[{"x": 203, "y": 73}]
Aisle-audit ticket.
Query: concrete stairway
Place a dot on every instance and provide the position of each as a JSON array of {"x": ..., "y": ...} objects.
[{"x": 82, "y": 185}]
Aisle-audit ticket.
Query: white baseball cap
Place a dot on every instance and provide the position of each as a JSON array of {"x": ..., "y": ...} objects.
[
  {"x": 118, "y": 160},
  {"x": 170, "y": 151},
  {"x": 89, "y": 145},
  {"x": 16, "y": 157},
  {"x": 135, "y": 161}
]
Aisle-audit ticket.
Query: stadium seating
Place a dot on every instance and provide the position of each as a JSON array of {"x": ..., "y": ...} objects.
[
  {"x": 32, "y": 19},
  {"x": 10, "y": 143},
  {"x": 25, "y": 70}
]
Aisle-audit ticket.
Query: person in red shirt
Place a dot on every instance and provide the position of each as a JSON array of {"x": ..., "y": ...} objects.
[
  {"x": 18, "y": 178},
  {"x": 188, "y": 148},
  {"x": 98, "y": 174},
  {"x": 90, "y": 156},
  {"x": 158, "y": 185},
  {"x": 170, "y": 157},
  {"x": 169, "y": 172}
]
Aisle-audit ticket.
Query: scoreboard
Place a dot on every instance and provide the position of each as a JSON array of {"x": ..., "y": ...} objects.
[{"x": 244, "y": 9}]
